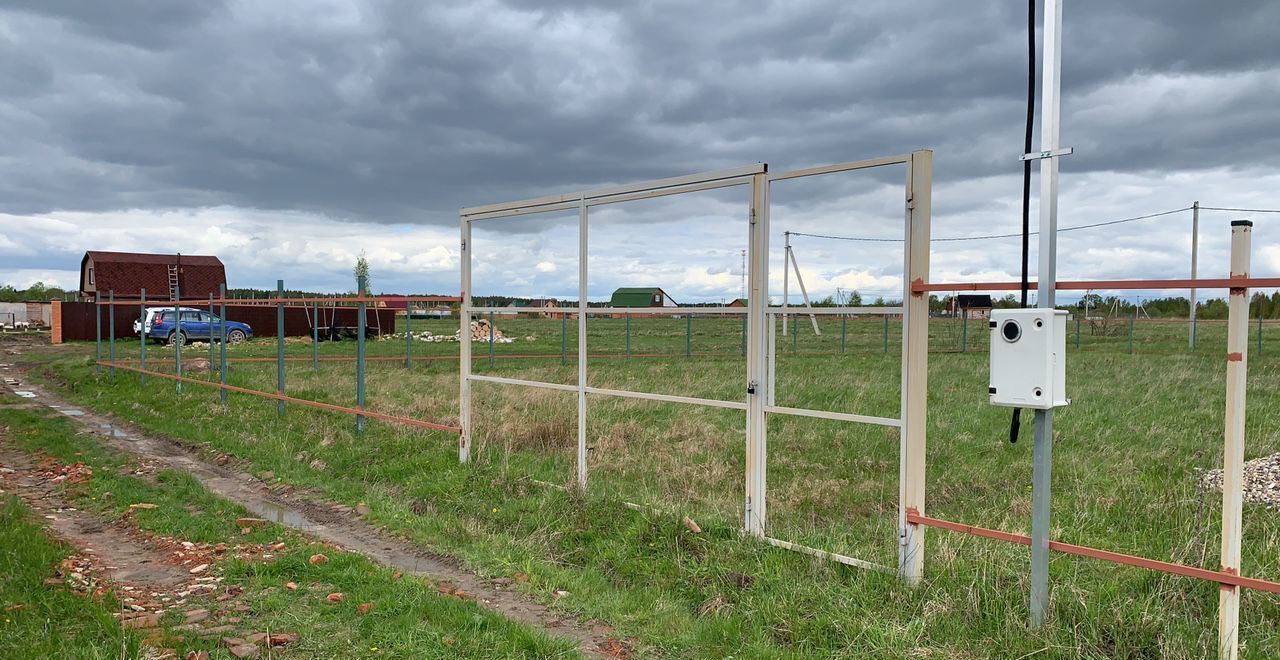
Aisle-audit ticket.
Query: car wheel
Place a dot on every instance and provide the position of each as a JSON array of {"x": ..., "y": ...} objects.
[
  {"x": 179, "y": 338},
  {"x": 236, "y": 336}
]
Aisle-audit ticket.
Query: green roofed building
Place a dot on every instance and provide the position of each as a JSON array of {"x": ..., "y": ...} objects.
[{"x": 650, "y": 296}]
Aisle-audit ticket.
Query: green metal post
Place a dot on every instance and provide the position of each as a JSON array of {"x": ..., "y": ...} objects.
[
  {"x": 142, "y": 334},
  {"x": 1077, "y": 331},
  {"x": 564, "y": 339},
  {"x": 280, "y": 386},
  {"x": 97, "y": 342},
  {"x": 408, "y": 336},
  {"x": 795, "y": 336},
  {"x": 743, "y": 335},
  {"x": 211, "y": 355},
  {"x": 1130, "y": 336},
  {"x": 964, "y": 333},
  {"x": 360, "y": 323},
  {"x": 490, "y": 340},
  {"x": 111, "y": 322},
  {"x": 1259, "y": 334},
  {"x": 628, "y": 336},
  {"x": 844, "y": 320},
  {"x": 177, "y": 345},
  {"x": 688, "y": 335},
  {"x": 315, "y": 336},
  {"x": 222, "y": 343},
  {"x": 886, "y": 333}
]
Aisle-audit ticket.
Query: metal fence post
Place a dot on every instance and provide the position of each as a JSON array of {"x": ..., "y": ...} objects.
[
  {"x": 744, "y": 336},
  {"x": 315, "y": 335},
  {"x": 211, "y": 355},
  {"x": 1259, "y": 334},
  {"x": 177, "y": 332},
  {"x": 844, "y": 319},
  {"x": 111, "y": 322},
  {"x": 628, "y": 335},
  {"x": 222, "y": 343},
  {"x": 97, "y": 342},
  {"x": 1233, "y": 440},
  {"x": 490, "y": 340},
  {"x": 688, "y": 335},
  {"x": 142, "y": 334},
  {"x": 280, "y": 386},
  {"x": 964, "y": 333},
  {"x": 1131, "y": 336},
  {"x": 408, "y": 336},
  {"x": 1077, "y": 331},
  {"x": 795, "y": 337},
  {"x": 886, "y": 333},
  {"x": 360, "y": 331},
  {"x": 564, "y": 339}
]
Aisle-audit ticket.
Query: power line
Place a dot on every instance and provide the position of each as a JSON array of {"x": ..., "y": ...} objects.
[
  {"x": 993, "y": 236},
  {"x": 1220, "y": 208}
]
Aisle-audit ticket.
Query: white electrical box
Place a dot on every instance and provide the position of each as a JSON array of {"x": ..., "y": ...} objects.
[{"x": 1028, "y": 358}]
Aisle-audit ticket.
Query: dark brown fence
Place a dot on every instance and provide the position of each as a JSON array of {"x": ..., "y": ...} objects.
[{"x": 75, "y": 320}]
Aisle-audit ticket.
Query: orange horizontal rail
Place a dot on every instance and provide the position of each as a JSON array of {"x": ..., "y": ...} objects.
[
  {"x": 288, "y": 399},
  {"x": 199, "y": 302},
  {"x": 1221, "y": 577},
  {"x": 1217, "y": 283}
]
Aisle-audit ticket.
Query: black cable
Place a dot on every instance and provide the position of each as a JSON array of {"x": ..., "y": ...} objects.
[{"x": 1015, "y": 424}]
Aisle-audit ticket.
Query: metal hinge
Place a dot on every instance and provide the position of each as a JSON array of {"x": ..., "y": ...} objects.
[
  {"x": 1051, "y": 153},
  {"x": 464, "y": 245}
]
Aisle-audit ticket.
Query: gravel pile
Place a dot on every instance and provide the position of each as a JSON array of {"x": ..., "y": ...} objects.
[{"x": 1261, "y": 480}]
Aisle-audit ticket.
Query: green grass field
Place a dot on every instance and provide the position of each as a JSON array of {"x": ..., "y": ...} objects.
[{"x": 1141, "y": 425}]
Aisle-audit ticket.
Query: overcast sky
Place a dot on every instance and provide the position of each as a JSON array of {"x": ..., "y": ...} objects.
[{"x": 286, "y": 137}]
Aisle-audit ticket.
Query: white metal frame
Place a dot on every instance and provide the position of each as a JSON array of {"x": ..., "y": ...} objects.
[{"x": 758, "y": 399}]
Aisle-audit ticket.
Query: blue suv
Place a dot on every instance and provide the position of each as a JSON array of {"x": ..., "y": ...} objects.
[{"x": 192, "y": 324}]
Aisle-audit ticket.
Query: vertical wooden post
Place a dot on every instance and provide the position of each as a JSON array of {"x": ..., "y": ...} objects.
[
  {"x": 1233, "y": 440},
  {"x": 915, "y": 366}
]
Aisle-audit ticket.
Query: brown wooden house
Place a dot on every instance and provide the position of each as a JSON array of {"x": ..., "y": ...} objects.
[{"x": 162, "y": 275}]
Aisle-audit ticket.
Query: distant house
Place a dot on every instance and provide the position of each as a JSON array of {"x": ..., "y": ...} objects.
[
  {"x": 164, "y": 276},
  {"x": 738, "y": 302},
  {"x": 973, "y": 306},
  {"x": 651, "y": 296},
  {"x": 541, "y": 306}
]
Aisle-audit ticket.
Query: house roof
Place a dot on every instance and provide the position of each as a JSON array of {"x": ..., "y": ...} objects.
[
  {"x": 127, "y": 273},
  {"x": 738, "y": 302},
  {"x": 635, "y": 296}
]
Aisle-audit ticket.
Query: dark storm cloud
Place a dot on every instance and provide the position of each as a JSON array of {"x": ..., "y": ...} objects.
[{"x": 405, "y": 111}]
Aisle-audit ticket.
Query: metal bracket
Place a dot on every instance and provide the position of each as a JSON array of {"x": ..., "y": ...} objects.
[{"x": 1052, "y": 153}]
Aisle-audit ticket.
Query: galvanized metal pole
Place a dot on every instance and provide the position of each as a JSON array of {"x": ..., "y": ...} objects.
[
  {"x": 844, "y": 318},
  {"x": 1195, "y": 250},
  {"x": 408, "y": 336},
  {"x": 361, "y": 283},
  {"x": 1131, "y": 336},
  {"x": 744, "y": 336},
  {"x": 464, "y": 343},
  {"x": 582, "y": 345},
  {"x": 111, "y": 322},
  {"x": 1047, "y": 275},
  {"x": 1233, "y": 440},
  {"x": 142, "y": 334},
  {"x": 755, "y": 505},
  {"x": 490, "y": 340},
  {"x": 222, "y": 344},
  {"x": 280, "y": 386},
  {"x": 786, "y": 277},
  {"x": 315, "y": 336},
  {"x": 795, "y": 338}
]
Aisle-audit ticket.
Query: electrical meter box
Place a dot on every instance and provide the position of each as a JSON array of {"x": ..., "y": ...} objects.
[{"x": 1028, "y": 358}]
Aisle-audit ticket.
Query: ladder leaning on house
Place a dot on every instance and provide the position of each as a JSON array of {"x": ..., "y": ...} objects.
[{"x": 173, "y": 283}]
